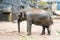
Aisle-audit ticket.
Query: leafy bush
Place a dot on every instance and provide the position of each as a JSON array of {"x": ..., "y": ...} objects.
[{"x": 42, "y": 3}]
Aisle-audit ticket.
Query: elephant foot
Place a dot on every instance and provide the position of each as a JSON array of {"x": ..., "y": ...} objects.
[
  {"x": 48, "y": 34},
  {"x": 42, "y": 33},
  {"x": 29, "y": 34}
]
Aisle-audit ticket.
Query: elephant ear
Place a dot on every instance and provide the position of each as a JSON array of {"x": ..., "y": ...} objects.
[{"x": 22, "y": 15}]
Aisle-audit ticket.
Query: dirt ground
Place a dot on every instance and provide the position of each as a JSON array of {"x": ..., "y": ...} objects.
[{"x": 9, "y": 31}]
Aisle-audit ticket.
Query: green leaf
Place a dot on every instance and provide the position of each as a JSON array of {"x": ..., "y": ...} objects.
[
  {"x": 58, "y": 32},
  {"x": 42, "y": 3}
]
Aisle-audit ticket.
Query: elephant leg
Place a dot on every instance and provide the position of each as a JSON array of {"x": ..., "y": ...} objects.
[
  {"x": 18, "y": 25},
  {"x": 29, "y": 23},
  {"x": 43, "y": 30},
  {"x": 48, "y": 29}
]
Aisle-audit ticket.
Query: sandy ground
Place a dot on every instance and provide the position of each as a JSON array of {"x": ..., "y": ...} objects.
[{"x": 9, "y": 31}]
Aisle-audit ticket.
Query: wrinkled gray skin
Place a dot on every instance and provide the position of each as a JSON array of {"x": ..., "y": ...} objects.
[{"x": 42, "y": 19}]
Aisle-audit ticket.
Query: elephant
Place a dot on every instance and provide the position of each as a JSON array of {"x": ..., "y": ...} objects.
[{"x": 37, "y": 17}]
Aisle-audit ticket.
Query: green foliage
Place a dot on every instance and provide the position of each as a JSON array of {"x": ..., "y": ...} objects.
[
  {"x": 23, "y": 38},
  {"x": 42, "y": 3},
  {"x": 27, "y": 38},
  {"x": 58, "y": 32}
]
